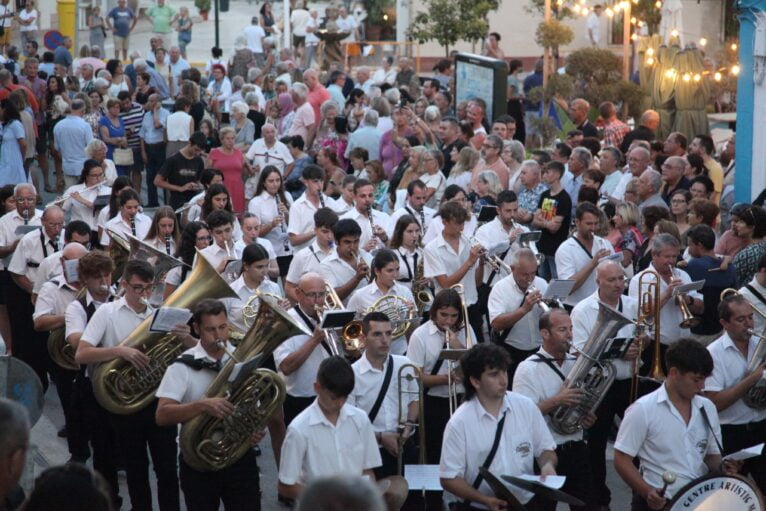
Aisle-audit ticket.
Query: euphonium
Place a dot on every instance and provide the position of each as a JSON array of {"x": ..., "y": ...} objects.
[
  {"x": 209, "y": 443},
  {"x": 590, "y": 374},
  {"x": 422, "y": 294},
  {"x": 61, "y": 351},
  {"x": 121, "y": 388}
]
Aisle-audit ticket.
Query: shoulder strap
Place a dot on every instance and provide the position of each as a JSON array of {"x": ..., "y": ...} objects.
[
  {"x": 492, "y": 451},
  {"x": 383, "y": 389},
  {"x": 551, "y": 365},
  {"x": 582, "y": 246},
  {"x": 89, "y": 309},
  {"x": 198, "y": 363},
  {"x": 494, "y": 272},
  {"x": 311, "y": 327},
  {"x": 705, "y": 418},
  {"x": 500, "y": 337},
  {"x": 756, "y": 293}
]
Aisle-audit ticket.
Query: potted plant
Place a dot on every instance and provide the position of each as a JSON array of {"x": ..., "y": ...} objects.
[{"x": 204, "y": 7}]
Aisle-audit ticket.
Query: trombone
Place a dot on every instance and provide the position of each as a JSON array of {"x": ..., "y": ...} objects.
[
  {"x": 413, "y": 373},
  {"x": 688, "y": 320},
  {"x": 648, "y": 317},
  {"x": 730, "y": 291}
]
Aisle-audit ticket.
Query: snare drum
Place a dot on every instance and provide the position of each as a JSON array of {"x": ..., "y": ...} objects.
[{"x": 715, "y": 492}]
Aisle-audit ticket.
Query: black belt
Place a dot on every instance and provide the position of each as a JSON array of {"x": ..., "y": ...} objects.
[
  {"x": 33, "y": 265},
  {"x": 156, "y": 143},
  {"x": 570, "y": 445}
]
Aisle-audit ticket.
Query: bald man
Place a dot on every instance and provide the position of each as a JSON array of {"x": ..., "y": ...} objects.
[
  {"x": 578, "y": 111},
  {"x": 298, "y": 358},
  {"x": 646, "y": 130},
  {"x": 317, "y": 93},
  {"x": 610, "y": 280}
]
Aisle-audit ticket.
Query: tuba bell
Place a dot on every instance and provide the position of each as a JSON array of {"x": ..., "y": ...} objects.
[
  {"x": 398, "y": 312},
  {"x": 121, "y": 388},
  {"x": 119, "y": 251},
  {"x": 590, "y": 374},
  {"x": 160, "y": 261},
  {"x": 209, "y": 443}
]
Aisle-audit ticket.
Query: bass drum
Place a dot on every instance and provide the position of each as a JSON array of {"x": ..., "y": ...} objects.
[{"x": 716, "y": 493}]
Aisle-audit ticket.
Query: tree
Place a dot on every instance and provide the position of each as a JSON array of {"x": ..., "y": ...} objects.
[{"x": 450, "y": 21}]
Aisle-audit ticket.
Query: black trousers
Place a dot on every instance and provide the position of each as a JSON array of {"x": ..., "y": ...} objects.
[
  {"x": 638, "y": 503},
  {"x": 237, "y": 486},
  {"x": 295, "y": 405},
  {"x": 517, "y": 357},
  {"x": 615, "y": 402},
  {"x": 135, "y": 433},
  {"x": 738, "y": 437},
  {"x": 101, "y": 433},
  {"x": 28, "y": 346},
  {"x": 155, "y": 158},
  {"x": 573, "y": 463},
  {"x": 437, "y": 416}
]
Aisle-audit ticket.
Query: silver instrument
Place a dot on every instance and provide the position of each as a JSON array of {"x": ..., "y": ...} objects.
[
  {"x": 160, "y": 261},
  {"x": 544, "y": 306},
  {"x": 67, "y": 196},
  {"x": 372, "y": 224},
  {"x": 133, "y": 224},
  {"x": 286, "y": 245},
  {"x": 25, "y": 214},
  {"x": 422, "y": 223},
  {"x": 589, "y": 373},
  {"x": 755, "y": 397},
  {"x": 167, "y": 244}
]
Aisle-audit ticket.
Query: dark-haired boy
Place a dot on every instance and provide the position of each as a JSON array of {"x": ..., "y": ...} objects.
[
  {"x": 300, "y": 228},
  {"x": 309, "y": 258}
]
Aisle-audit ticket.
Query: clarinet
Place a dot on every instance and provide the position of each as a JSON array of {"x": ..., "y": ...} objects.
[
  {"x": 321, "y": 199},
  {"x": 167, "y": 243},
  {"x": 372, "y": 224},
  {"x": 26, "y": 216},
  {"x": 286, "y": 245},
  {"x": 133, "y": 225}
]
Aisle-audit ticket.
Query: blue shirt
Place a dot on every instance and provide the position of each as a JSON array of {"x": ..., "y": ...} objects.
[
  {"x": 121, "y": 19},
  {"x": 528, "y": 199},
  {"x": 11, "y": 162},
  {"x": 70, "y": 136},
  {"x": 148, "y": 133},
  {"x": 715, "y": 282},
  {"x": 158, "y": 82},
  {"x": 62, "y": 56},
  {"x": 367, "y": 137}
]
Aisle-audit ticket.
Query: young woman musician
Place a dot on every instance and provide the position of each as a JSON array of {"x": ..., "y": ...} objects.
[
  {"x": 406, "y": 244},
  {"x": 129, "y": 221},
  {"x": 254, "y": 277},
  {"x": 195, "y": 236},
  {"x": 81, "y": 197},
  {"x": 111, "y": 210},
  {"x": 272, "y": 205},
  {"x": 217, "y": 197},
  {"x": 164, "y": 233}
]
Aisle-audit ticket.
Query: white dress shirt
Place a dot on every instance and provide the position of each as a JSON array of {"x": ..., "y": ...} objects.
[
  {"x": 428, "y": 215},
  {"x": 337, "y": 272},
  {"x": 367, "y": 385},
  {"x": 426, "y": 343},
  {"x": 121, "y": 227},
  {"x": 571, "y": 257},
  {"x": 49, "y": 268},
  {"x": 441, "y": 259},
  {"x": 277, "y": 155},
  {"x": 436, "y": 226},
  {"x": 77, "y": 210},
  {"x": 584, "y": 317},
  {"x": 234, "y": 305},
  {"x": 30, "y": 252},
  {"x": 302, "y": 219},
  {"x": 670, "y": 314},
  {"x": 654, "y": 430},
  {"x": 362, "y": 299},
  {"x": 379, "y": 218},
  {"x": 240, "y": 245},
  {"x": 538, "y": 381},
  {"x": 489, "y": 235},
  {"x": 215, "y": 254},
  {"x": 54, "y": 298},
  {"x": 470, "y": 433},
  {"x": 759, "y": 324},
  {"x": 729, "y": 368},
  {"x": 266, "y": 208},
  {"x": 306, "y": 260},
  {"x": 185, "y": 384},
  {"x": 76, "y": 317},
  {"x": 505, "y": 297},
  {"x": 300, "y": 383},
  {"x": 408, "y": 265},
  {"x": 314, "y": 447},
  {"x": 8, "y": 224}
]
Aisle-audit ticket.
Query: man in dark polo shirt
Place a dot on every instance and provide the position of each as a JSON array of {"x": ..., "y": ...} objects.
[{"x": 180, "y": 173}]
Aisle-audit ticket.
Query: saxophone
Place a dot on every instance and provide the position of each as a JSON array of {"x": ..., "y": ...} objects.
[
  {"x": 423, "y": 295},
  {"x": 589, "y": 373},
  {"x": 210, "y": 444}
]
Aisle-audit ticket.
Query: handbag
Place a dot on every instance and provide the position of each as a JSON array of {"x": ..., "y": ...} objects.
[{"x": 123, "y": 157}]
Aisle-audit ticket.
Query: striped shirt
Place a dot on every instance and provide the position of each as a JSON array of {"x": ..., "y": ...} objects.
[{"x": 132, "y": 119}]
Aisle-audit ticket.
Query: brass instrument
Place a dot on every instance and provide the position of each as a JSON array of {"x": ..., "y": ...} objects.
[
  {"x": 121, "y": 388},
  {"x": 648, "y": 317},
  {"x": 398, "y": 311},
  {"x": 689, "y": 320},
  {"x": 348, "y": 342},
  {"x": 209, "y": 443},
  {"x": 424, "y": 297},
  {"x": 160, "y": 261},
  {"x": 61, "y": 352},
  {"x": 253, "y": 305},
  {"x": 453, "y": 353},
  {"x": 755, "y": 397},
  {"x": 542, "y": 304},
  {"x": 412, "y": 373},
  {"x": 531, "y": 245},
  {"x": 590, "y": 374},
  {"x": 119, "y": 251}
]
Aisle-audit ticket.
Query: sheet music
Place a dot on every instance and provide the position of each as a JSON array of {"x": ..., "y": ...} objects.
[
  {"x": 70, "y": 270},
  {"x": 165, "y": 318},
  {"x": 744, "y": 454},
  {"x": 422, "y": 477},
  {"x": 554, "y": 482},
  {"x": 558, "y": 288},
  {"x": 687, "y": 288}
]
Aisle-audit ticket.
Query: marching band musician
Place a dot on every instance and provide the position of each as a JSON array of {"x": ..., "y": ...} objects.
[
  {"x": 163, "y": 232},
  {"x": 331, "y": 437},
  {"x": 415, "y": 206},
  {"x": 376, "y": 392},
  {"x": 368, "y": 217},
  {"x": 129, "y": 220},
  {"x": 309, "y": 258},
  {"x": 348, "y": 268},
  {"x": 80, "y": 203},
  {"x": 207, "y": 178},
  {"x": 493, "y": 420},
  {"x": 445, "y": 330},
  {"x": 578, "y": 256},
  {"x": 610, "y": 281},
  {"x": 100, "y": 342},
  {"x": 755, "y": 292},
  {"x": 404, "y": 243},
  {"x": 672, "y": 429},
  {"x": 541, "y": 378},
  {"x": 50, "y": 307},
  {"x": 251, "y": 233},
  {"x": 195, "y": 236},
  {"x": 221, "y": 251},
  {"x": 298, "y": 358},
  {"x": 453, "y": 193},
  {"x": 665, "y": 249},
  {"x": 732, "y": 353},
  {"x": 182, "y": 397},
  {"x": 75, "y": 231},
  {"x": 513, "y": 317},
  {"x": 255, "y": 267},
  {"x": 94, "y": 270},
  {"x": 271, "y": 205},
  {"x": 218, "y": 198},
  {"x": 385, "y": 267},
  {"x": 300, "y": 227},
  {"x": 451, "y": 259}
]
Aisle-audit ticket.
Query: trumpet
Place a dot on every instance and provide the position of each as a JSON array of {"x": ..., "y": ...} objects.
[
  {"x": 688, "y": 320},
  {"x": 648, "y": 317},
  {"x": 349, "y": 339},
  {"x": 68, "y": 196},
  {"x": 544, "y": 306}
]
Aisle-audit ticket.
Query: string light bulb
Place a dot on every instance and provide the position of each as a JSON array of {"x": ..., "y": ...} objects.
[
  {"x": 697, "y": 77},
  {"x": 734, "y": 46},
  {"x": 576, "y": 8},
  {"x": 650, "y": 61},
  {"x": 650, "y": 51},
  {"x": 717, "y": 76},
  {"x": 634, "y": 37},
  {"x": 674, "y": 33},
  {"x": 687, "y": 77},
  {"x": 670, "y": 73},
  {"x": 625, "y": 4},
  {"x": 633, "y": 20},
  {"x": 609, "y": 13},
  {"x": 658, "y": 4},
  {"x": 735, "y": 70},
  {"x": 703, "y": 42}
]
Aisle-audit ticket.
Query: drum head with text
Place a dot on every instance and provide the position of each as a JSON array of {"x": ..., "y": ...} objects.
[{"x": 717, "y": 493}]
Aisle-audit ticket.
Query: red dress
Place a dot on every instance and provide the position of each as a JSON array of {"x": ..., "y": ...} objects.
[{"x": 231, "y": 165}]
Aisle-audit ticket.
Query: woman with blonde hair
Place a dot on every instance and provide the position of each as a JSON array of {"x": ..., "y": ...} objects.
[
  {"x": 465, "y": 160},
  {"x": 624, "y": 234},
  {"x": 413, "y": 171}
]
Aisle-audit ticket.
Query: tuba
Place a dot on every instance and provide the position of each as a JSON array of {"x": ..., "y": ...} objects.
[
  {"x": 119, "y": 251},
  {"x": 61, "y": 352},
  {"x": 160, "y": 261},
  {"x": 590, "y": 374},
  {"x": 121, "y": 388},
  {"x": 755, "y": 397},
  {"x": 209, "y": 443}
]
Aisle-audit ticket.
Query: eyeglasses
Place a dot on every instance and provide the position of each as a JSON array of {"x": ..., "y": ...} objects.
[
  {"x": 205, "y": 238},
  {"x": 96, "y": 175},
  {"x": 26, "y": 199},
  {"x": 138, "y": 288},
  {"x": 314, "y": 296},
  {"x": 488, "y": 146},
  {"x": 678, "y": 201}
]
